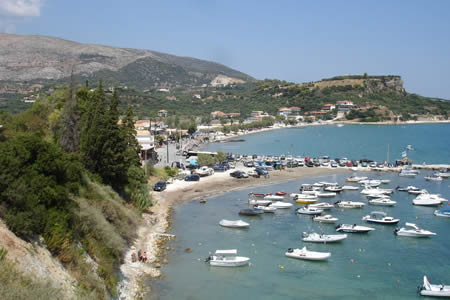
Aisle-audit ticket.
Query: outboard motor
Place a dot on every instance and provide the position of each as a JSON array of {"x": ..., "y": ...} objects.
[
  {"x": 396, "y": 230},
  {"x": 290, "y": 250},
  {"x": 208, "y": 259},
  {"x": 337, "y": 226}
]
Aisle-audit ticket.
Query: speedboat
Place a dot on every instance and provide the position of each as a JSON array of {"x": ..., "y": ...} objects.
[
  {"x": 442, "y": 213},
  {"x": 355, "y": 178},
  {"x": 350, "y": 188},
  {"x": 426, "y": 199},
  {"x": 380, "y": 217},
  {"x": 326, "y": 195},
  {"x": 322, "y": 238},
  {"x": 318, "y": 184},
  {"x": 268, "y": 196},
  {"x": 412, "y": 230},
  {"x": 325, "y": 219},
  {"x": 274, "y": 197},
  {"x": 322, "y": 205},
  {"x": 251, "y": 212},
  {"x": 376, "y": 196},
  {"x": 233, "y": 224},
  {"x": 433, "y": 178},
  {"x": 281, "y": 205},
  {"x": 325, "y": 183},
  {"x": 227, "y": 258},
  {"x": 417, "y": 192},
  {"x": 434, "y": 290},
  {"x": 266, "y": 209},
  {"x": 408, "y": 172},
  {"x": 442, "y": 174},
  {"x": 333, "y": 189},
  {"x": 306, "y": 254},
  {"x": 370, "y": 182},
  {"x": 303, "y": 196},
  {"x": 309, "y": 211},
  {"x": 407, "y": 189},
  {"x": 259, "y": 202},
  {"x": 385, "y": 181},
  {"x": 349, "y": 204},
  {"x": 383, "y": 202},
  {"x": 375, "y": 191},
  {"x": 353, "y": 228}
]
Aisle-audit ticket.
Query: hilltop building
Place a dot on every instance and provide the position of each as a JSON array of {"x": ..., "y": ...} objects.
[{"x": 162, "y": 113}]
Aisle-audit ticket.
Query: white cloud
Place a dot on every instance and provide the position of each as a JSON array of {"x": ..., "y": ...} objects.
[{"x": 20, "y": 8}]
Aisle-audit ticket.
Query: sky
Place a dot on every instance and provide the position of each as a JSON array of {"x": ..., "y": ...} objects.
[{"x": 298, "y": 41}]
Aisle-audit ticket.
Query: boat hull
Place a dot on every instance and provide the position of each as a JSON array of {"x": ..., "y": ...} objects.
[{"x": 239, "y": 261}]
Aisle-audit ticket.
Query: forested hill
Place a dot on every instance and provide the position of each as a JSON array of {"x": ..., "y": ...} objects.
[{"x": 270, "y": 95}]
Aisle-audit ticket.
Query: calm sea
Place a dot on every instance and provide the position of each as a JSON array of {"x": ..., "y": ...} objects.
[
  {"x": 431, "y": 142},
  {"x": 377, "y": 265}
]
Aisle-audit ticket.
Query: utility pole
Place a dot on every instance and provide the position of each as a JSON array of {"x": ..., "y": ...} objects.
[{"x": 167, "y": 150}]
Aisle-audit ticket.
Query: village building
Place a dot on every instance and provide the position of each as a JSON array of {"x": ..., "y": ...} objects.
[
  {"x": 329, "y": 107},
  {"x": 345, "y": 105},
  {"x": 162, "y": 113}
]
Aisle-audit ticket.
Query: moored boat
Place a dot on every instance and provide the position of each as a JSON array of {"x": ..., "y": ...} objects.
[
  {"x": 309, "y": 210},
  {"x": 349, "y": 204},
  {"x": 380, "y": 217},
  {"x": 281, "y": 205},
  {"x": 251, "y": 212},
  {"x": 353, "y": 228},
  {"x": 234, "y": 223},
  {"x": 434, "y": 290},
  {"x": 350, "y": 188},
  {"x": 322, "y": 238},
  {"x": 322, "y": 205},
  {"x": 412, "y": 230},
  {"x": 227, "y": 258},
  {"x": 433, "y": 178},
  {"x": 266, "y": 209},
  {"x": 442, "y": 213},
  {"x": 306, "y": 254},
  {"x": 383, "y": 202},
  {"x": 325, "y": 219}
]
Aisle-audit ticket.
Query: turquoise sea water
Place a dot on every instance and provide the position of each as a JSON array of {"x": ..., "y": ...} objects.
[
  {"x": 431, "y": 142},
  {"x": 377, "y": 265}
]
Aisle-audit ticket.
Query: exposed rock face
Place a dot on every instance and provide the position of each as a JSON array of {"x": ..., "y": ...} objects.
[
  {"x": 26, "y": 58},
  {"x": 391, "y": 83}
]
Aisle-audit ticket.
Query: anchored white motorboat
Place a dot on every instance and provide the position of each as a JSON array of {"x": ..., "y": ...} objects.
[
  {"x": 350, "y": 188},
  {"x": 349, "y": 204},
  {"x": 325, "y": 219},
  {"x": 322, "y": 205},
  {"x": 418, "y": 191},
  {"x": 434, "y": 290},
  {"x": 412, "y": 230},
  {"x": 227, "y": 258},
  {"x": 442, "y": 213},
  {"x": 433, "y": 178},
  {"x": 426, "y": 199},
  {"x": 380, "y": 217},
  {"x": 443, "y": 174},
  {"x": 306, "y": 254},
  {"x": 385, "y": 181},
  {"x": 353, "y": 228},
  {"x": 376, "y": 191},
  {"x": 407, "y": 189},
  {"x": 274, "y": 198},
  {"x": 333, "y": 189},
  {"x": 267, "y": 209},
  {"x": 370, "y": 182},
  {"x": 281, "y": 205},
  {"x": 259, "y": 202},
  {"x": 322, "y": 238},
  {"x": 383, "y": 202},
  {"x": 355, "y": 178},
  {"x": 325, "y": 183},
  {"x": 301, "y": 196},
  {"x": 234, "y": 224},
  {"x": 309, "y": 210},
  {"x": 325, "y": 195}
]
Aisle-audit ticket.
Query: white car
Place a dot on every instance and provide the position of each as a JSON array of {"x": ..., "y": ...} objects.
[
  {"x": 204, "y": 171},
  {"x": 252, "y": 173}
]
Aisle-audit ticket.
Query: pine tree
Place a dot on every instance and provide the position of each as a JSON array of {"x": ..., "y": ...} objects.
[{"x": 70, "y": 124}]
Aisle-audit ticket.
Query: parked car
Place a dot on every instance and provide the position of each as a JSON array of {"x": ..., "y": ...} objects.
[
  {"x": 192, "y": 177},
  {"x": 373, "y": 165},
  {"x": 160, "y": 186},
  {"x": 239, "y": 174},
  {"x": 204, "y": 171},
  {"x": 253, "y": 173},
  {"x": 309, "y": 163},
  {"x": 334, "y": 164},
  {"x": 249, "y": 164},
  {"x": 220, "y": 168},
  {"x": 261, "y": 171}
]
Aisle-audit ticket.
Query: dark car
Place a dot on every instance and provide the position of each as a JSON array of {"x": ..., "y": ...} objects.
[
  {"x": 355, "y": 163},
  {"x": 220, "y": 168},
  {"x": 192, "y": 177},
  {"x": 249, "y": 164},
  {"x": 309, "y": 164},
  {"x": 238, "y": 174},
  {"x": 261, "y": 171},
  {"x": 160, "y": 186}
]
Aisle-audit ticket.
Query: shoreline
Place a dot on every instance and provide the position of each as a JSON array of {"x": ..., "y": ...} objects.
[{"x": 154, "y": 231}]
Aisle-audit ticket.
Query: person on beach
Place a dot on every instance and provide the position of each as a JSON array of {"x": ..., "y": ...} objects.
[
  {"x": 133, "y": 257},
  {"x": 140, "y": 255},
  {"x": 144, "y": 257}
]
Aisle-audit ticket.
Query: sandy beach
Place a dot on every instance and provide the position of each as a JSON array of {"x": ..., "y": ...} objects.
[{"x": 155, "y": 229}]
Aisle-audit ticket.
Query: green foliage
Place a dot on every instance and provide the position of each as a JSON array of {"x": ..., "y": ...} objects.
[
  {"x": 220, "y": 157},
  {"x": 171, "y": 172},
  {"x": 205, "y": 160},
  {"x": 3, "y": 253}
]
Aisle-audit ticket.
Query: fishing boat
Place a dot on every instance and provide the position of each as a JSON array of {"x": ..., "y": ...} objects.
[
  {"x": 281, "y": 205},
  {"x": 349, "y": 204},
  {"x": 227, "y": 258},
  {"x": 412, "y": 230},
  {"x": 349, "y": 188},
  {"x": 322, "y": 238},
  {"x": 382, "y": 202},
  {"x": 325, "y": 219},
  {"x": 380, "y": 217},
  {"x": 322, "y": 205},
  {"x": 442, "y": 213},
  {"x": 309, "y": 211},
  {"x": 234, "y": 224},
  {"x": 251, "y": 212},
  {"x": 434, "y": 290},
  {"x": 306, "y": 254},
  {"x": 433, "y": 178},
  {"x": 353, "y": 228}
]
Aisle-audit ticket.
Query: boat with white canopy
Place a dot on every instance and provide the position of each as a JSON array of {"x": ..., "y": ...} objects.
[
  {"x": 227, "y": 258},
  {"x": 380, "y": 217},
  {"x": 442, "y": 213}
]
